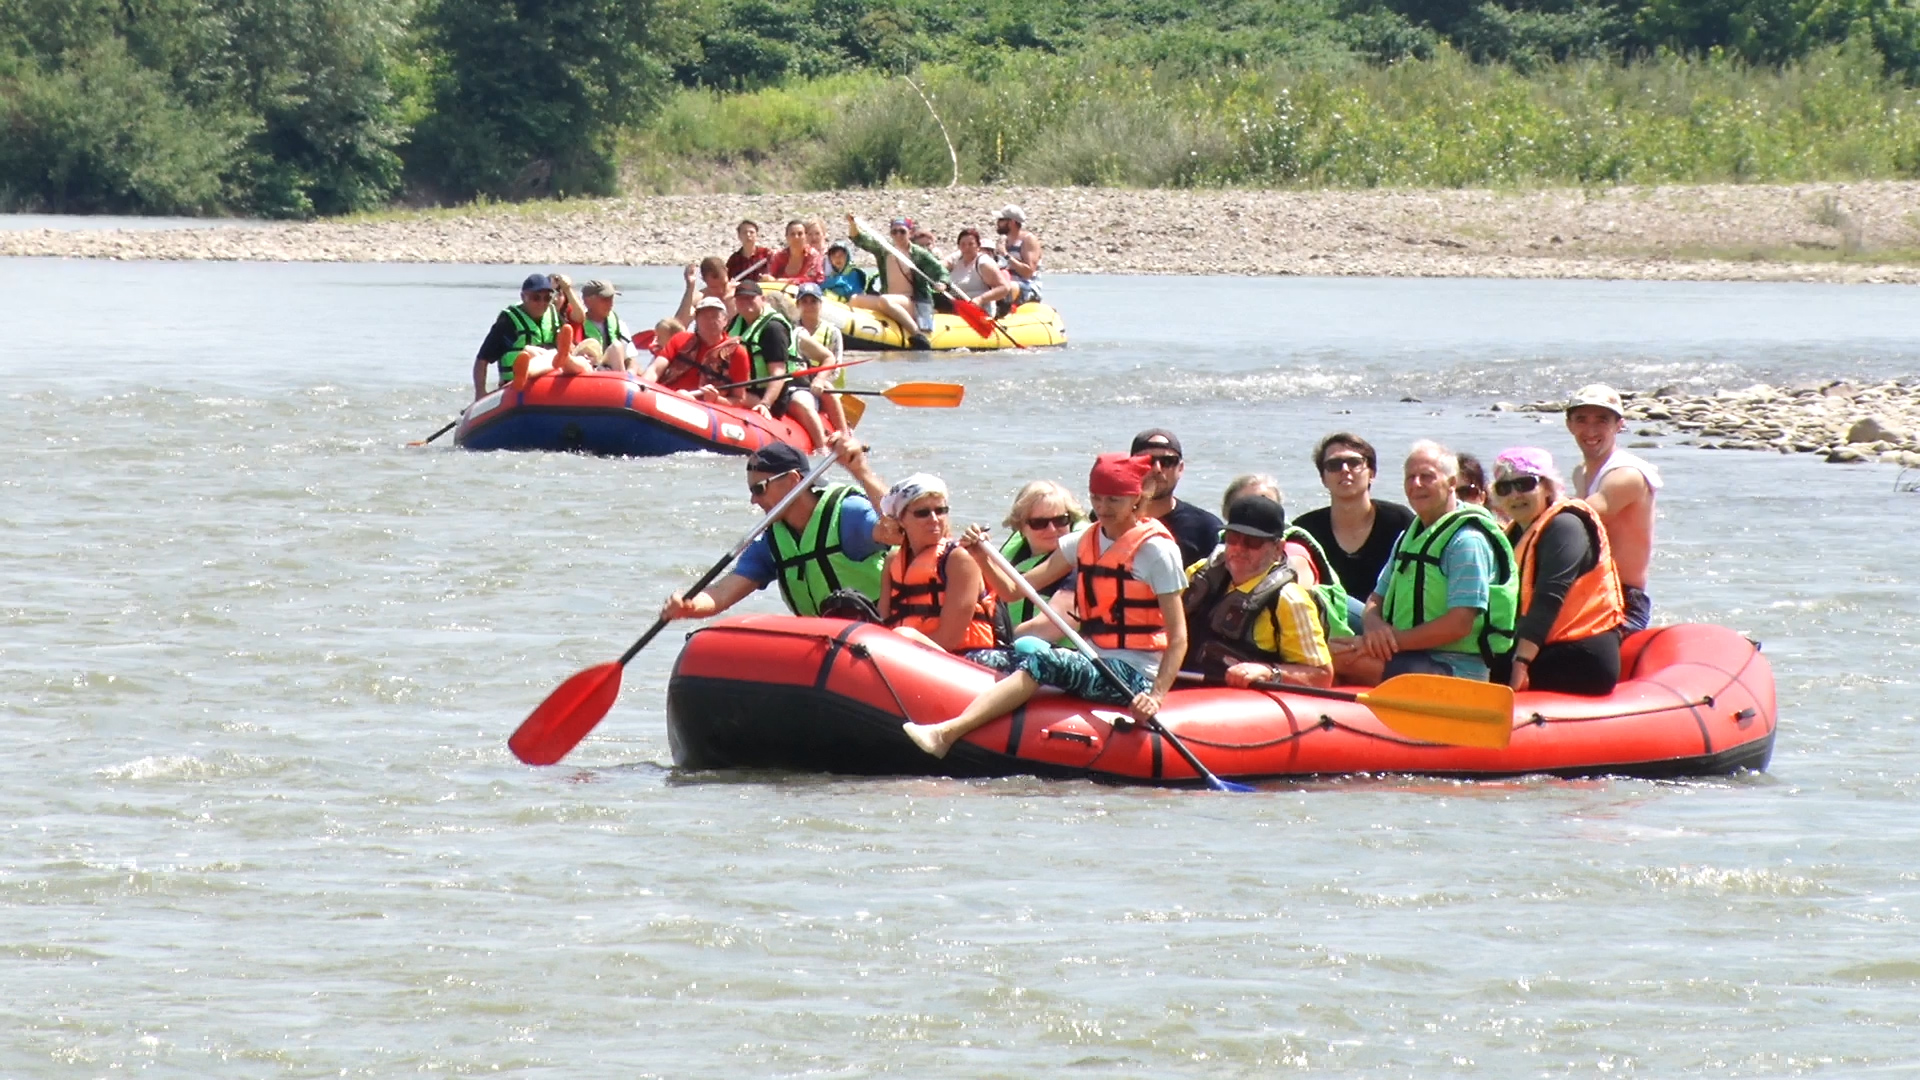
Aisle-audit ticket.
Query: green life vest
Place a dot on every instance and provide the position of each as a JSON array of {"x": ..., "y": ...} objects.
[
  {"x": 1024, "y": 558},
  {"x": 611, "y": 332},
  {"x": 1329, "y": 593},
  {"x": 1417, "y": 590},
  {"x": 527, "y": 331},
  {"x": 750, "y": 337},
  {"x": 811, "y": 566}
]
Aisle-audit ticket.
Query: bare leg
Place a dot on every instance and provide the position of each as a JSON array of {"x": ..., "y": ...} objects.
[
  {"x": 996, "y": 701},
  {"x": 917, "y": 637},
  {"x": 894, "y": 308},
  {"x": 830, "y": 404},
  {"x": 1351, "y": 667},
  {"x": 800, "y": 406}
]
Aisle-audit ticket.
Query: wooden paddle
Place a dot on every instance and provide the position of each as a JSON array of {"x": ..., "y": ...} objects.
[
  {"x": 1432, "y": 708},
  {"x": 1059, "y": 623},
  {"x": 451, "y": 424},
  {"x": 918, "y": 395},
  {"x": 974, "y": 315},
  {"x": 575, "y": 706}
]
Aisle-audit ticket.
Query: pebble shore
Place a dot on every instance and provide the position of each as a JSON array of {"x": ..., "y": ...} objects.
[
  {"x": 1840, "y": 232},
  {"x": 1845, "y": 424}
]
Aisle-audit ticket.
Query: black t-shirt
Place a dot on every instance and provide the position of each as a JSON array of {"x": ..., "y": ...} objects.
[
  {"x": 499, "y": 339},
  {"x": 1359, "y": 570},
  {"x": 1196, "y": 531},
  {"x": 1563, "y": 552}
]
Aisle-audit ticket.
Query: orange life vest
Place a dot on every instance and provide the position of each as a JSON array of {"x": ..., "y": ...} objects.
[
  {"x": 1594, "y": 604},
  {"x": 917, "y": 593},
  {"x": 1117, "y": 610}
]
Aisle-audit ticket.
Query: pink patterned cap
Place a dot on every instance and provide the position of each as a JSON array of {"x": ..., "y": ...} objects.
[{"x": 1525, "y": 461}]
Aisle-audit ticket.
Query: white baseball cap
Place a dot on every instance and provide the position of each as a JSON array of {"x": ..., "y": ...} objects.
[
  {"x": 1010, "y": 212},
  {"x": 1598, "y": 394},
  {"x": 711, "y": 303}
]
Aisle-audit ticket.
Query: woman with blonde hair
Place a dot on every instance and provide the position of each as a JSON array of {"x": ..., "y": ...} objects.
[{"x": 1042, "y": 513}]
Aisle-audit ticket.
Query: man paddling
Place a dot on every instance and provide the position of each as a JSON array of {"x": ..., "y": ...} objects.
[
  {"x": 823, "y": 543},
  {"x": 1446, "y": 601},
  {"x": 1620, "y": 486},
  {"x": 533, "y": 321},
  {"x": 905, "y": 297}
]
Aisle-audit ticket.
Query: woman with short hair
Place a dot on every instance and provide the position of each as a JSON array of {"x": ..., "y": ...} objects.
[{"x": 1567, "y": 637}]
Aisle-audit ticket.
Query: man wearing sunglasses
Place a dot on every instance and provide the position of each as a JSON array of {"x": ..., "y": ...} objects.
[
  {"x": 1195, "y": 529},
  {"x": 533, "y": 321},
  {"x": 824, "y": 541},
  {"x": 905, "y": 297},
  {"x": 1248, "y": 617},
  {"x": 1447, "y": 600}
]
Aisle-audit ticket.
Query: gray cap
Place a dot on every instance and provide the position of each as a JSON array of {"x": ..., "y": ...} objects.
[{"x": 596, "y": 287}]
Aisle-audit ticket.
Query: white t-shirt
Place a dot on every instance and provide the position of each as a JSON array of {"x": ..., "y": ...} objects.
[{"x": 1157, "y": 563}]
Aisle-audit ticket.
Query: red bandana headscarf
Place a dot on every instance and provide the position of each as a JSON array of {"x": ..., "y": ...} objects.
[{"x": 1118, "y": 474}]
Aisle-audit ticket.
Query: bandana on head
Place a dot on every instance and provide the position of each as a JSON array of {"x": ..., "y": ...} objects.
[
  {"x": 1118, "y": 474},
  {"x": 906, "y": 492},
  {"x": 1525, "y": 461}
]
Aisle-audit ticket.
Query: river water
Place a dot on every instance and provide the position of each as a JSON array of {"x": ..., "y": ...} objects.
[{"x": 258, "y": 663}]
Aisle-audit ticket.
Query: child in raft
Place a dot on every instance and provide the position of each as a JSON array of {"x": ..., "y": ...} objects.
[{"x": 1128, "y": 600}]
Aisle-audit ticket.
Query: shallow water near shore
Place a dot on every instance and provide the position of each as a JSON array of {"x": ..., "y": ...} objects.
[{"x": 259, "y": 661}]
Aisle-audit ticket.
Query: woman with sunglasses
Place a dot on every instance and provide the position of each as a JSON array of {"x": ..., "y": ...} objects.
[
  {"x": 1043, "y": 513},
  {"x": 1567, "y": 638},
  {"x": 1357, "y": 532},
  {"x": 925, "y": 593}
]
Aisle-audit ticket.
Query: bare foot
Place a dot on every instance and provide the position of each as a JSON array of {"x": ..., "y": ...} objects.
[{"x": 927, "y": 737}]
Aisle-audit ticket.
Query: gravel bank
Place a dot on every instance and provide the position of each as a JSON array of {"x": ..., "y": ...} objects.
[
  {"x": 1812, "y": 232},
  {"x": 1845, "y": 424}
]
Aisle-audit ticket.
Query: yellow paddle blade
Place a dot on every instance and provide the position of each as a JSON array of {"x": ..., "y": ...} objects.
[
  {"x": 853, "y": 407},
  {"x": 1442, "y": 709},
  {"x": 926, "y": 395}
]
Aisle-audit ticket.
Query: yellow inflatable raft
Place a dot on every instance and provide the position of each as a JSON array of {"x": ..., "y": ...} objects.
[{"x": 1031, "y": 325}]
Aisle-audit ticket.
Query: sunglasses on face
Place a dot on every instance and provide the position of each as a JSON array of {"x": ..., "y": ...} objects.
[
  {"x": 1235, "y": 539},
  {"x": 759, "y": 487},
  {"x": 1165, "y": 461},
  {"x": 543, "y": 294},
  {"x": 1467, "y": 491},
  {"x": 1343, "y": 463},
  {"x": 1058, "y": 521},
  {"x": 925, "y": 512},
  {"x": 1515, "y": 485}
]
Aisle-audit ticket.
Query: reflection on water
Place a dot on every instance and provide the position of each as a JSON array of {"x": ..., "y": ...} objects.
[{"x": 260, "y": 660}]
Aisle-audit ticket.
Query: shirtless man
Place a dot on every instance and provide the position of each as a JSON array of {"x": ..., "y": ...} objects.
[{"x": 1620, "y": 486}]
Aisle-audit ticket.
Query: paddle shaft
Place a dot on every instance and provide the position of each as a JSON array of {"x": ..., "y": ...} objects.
[
  {"x": 800, "y": 374},
  {"x": 726, "y": 560},
  {"x": 751, "y": 267},
  {"x": 451, "y": 424},
  {"x": 1153, "y": 723}
]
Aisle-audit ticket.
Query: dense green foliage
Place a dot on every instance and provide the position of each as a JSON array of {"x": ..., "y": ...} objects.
[{"x": 303, "y": 107}]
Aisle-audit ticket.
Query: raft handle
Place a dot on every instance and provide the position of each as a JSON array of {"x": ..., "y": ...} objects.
[
  {"x": 1745, "y": 715},
  {"x": 1074, "y": 736},
  {"x": 1537, "y": 719}
]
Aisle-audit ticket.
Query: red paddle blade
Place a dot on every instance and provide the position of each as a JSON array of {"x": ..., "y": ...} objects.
[
  {"x": 975, "y": 317},
  {"x": 562, "y": 720}
]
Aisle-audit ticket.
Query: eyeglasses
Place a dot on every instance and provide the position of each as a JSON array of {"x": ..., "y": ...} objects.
[
  {"x": 1467, "y": 491},
  {"x": 1515, "y": 485},
  {"x": 1343, "y": 463},
  {"x": 759, "y": 487},
  {"x": 1165, "y": 461},
  {"x": 543, "y": 294},
  {"x": 926, "y": 512},
  {"x": 1058, "y": 521}
]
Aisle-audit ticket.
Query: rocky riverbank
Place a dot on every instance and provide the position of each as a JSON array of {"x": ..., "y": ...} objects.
[
  {"x": 1864, "y": 232},
  {"x": 1843, "y": 423}
]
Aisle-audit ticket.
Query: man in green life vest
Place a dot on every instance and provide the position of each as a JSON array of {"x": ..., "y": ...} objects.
[
  {"x": 822, "y": 543},
  {"x": 1445, "y": 602},
  {"x": 532, "y": 321},
  {"x": 768, "y": 337},
  {"x": 599, "y": 322}
]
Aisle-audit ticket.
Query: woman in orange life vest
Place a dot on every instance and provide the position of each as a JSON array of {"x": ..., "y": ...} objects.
[
  {"x": 1127, "y": 599},
  {"x": 1568, "y": 635},
  {"x": 925, "y": 593}
]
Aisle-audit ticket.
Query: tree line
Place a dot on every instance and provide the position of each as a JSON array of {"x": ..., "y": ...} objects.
[{"x": 296, "y": 108}]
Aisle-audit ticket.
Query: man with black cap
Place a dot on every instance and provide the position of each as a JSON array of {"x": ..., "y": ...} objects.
[
  {"x": 822, "y": 543},
  {"x": 532, "y": 321},
  {"x": 768, "y": 337},
  {"x": 1193, "y": 528},
  {"x": 1248, "y": 617}
]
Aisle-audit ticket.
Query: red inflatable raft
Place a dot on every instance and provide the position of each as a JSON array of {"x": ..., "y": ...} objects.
[
  {"x": 821, "y": 695},
  {"x": 611, "y": 412}
]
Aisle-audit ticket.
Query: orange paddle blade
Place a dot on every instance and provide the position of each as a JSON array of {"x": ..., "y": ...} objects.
[
  {"x": 1442, "y": 709},
  {"x": 853, "y": 407},
  {"x": 926, "y": 395},
  {"x": 568, "y": 714}
]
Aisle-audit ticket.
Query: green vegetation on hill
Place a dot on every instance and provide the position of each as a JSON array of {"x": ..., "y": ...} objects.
[{"x": 301, "y": 107}]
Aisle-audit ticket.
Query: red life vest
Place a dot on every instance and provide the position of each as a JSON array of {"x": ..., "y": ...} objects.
[
  {"x": 1118, "y": 610},
  {"x": 917, "y": 594},
  {"x": 1594, "y": 603},
  {"x": 691, "y": 366}
]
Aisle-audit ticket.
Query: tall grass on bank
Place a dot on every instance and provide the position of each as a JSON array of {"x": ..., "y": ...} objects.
[{"x": 1440, "y": 122}]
